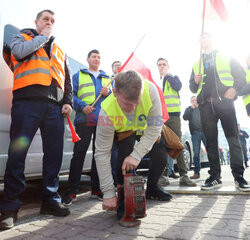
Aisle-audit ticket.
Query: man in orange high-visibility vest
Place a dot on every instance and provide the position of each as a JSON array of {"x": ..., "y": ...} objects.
[{"x": 42, "y": 97}]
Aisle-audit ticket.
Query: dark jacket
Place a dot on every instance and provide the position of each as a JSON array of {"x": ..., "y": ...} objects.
[
  {"x": 23, "y": 50},
  {"x": 212, "y": 86},
  {"x": 243, "y": 138},
  {"x": 194, "y": 118}
]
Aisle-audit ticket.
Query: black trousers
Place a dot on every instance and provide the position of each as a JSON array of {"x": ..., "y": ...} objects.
[
  {"x": 79, "y": 153},
  {"x": 223, "y": 110},
  {"x": 157, "y": 155}
]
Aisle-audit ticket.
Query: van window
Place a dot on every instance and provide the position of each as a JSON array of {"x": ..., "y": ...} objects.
[
  {"x": 9, "y": 32},
  {"x": 75, "y": 66}
]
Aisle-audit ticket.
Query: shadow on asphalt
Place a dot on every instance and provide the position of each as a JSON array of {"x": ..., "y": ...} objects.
[
  {"x": 200, "y": 210},
  {"x": 234, "y": 212},
  {"x": 32, "y": 193},
  {"x": 80, "y": 219}
]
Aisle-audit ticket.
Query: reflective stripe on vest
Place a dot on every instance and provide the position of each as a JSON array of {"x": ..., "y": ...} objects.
[
  {"x": 172, "y": 99},
  {"x": 246, "y": 98},
  {"x": 136, "y": 121},
  {"x": 57, "y": 64},
  {"x": 86, "y": 87},
  {"x": 39, "y": 69},
  {"x": 223, "y": 69}
]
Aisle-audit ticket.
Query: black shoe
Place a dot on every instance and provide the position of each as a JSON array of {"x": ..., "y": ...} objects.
[
  {"x": 242, "y": 184},
  {"x": 8, "y": 219},
  {"x": 173, "y": 175},
  {"x": 158, "y": 194},
  {"x": 121, "y": 203},
  {"x": 68, "y": 198},
  {"x": 120, "y": 211},
  {"x": 97, "y": 194},
  {"x": 57, "y": 209},
  {"x": 211, "y": 183}
]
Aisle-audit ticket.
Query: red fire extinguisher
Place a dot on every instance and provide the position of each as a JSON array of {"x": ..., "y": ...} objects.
[{"x": 135, "y": 202}]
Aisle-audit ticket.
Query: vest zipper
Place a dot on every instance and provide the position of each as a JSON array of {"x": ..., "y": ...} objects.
[
  {"x": 212, "y": 105},
  {"x": 216, "y": 85}
]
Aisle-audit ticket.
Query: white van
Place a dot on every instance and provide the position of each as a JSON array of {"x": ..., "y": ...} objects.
[{"x": 33, "y": 166}]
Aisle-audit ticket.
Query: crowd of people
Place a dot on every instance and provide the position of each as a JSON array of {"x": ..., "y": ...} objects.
[{"x": 114, "y": 114}]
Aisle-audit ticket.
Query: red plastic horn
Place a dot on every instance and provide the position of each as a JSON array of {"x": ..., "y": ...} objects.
[{"x": 75, "y": 137}]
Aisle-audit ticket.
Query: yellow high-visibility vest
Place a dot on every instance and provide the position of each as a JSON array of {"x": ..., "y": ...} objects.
[
  {"x": 172, "y": 98},
  {"x": 136, "y": 121},
  {"x": 246, "y": 98},
  {"x": 86, "y": 87},
  {"x": 223, "y": 69}
]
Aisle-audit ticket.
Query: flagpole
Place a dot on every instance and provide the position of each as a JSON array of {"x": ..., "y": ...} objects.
[
  {"x": 139, "y": 42},
  {"x": 202, "y": 31},
  {"x": 93, "y": 104}
]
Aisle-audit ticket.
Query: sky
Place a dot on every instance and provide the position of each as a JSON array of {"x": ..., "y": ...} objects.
[{"x": 114, "y": 27}]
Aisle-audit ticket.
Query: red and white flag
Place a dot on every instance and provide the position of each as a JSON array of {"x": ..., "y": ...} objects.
[
  {"x": 215, "y": 10},
  {"x": 133, "y": 63}
]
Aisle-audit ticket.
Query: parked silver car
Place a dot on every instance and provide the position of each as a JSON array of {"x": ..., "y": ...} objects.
[{"x": 188, "y": 152}]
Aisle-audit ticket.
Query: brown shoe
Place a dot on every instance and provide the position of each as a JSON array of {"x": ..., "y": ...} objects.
[{"x": 195, "y": 176}]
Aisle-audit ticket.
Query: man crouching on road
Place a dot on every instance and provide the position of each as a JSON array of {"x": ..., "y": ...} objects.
[{"x": 134, "y": 107}]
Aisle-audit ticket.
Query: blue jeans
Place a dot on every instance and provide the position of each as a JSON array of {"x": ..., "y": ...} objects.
[
  {"x": 170, "y": 165},
  {"x": 197, "y": 137},
  {"x": 27, "y": 117}
]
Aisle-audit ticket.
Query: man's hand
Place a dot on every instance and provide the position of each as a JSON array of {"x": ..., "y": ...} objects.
[
  {"x": 47, "y": 31},
  {"x": 230, "y": 93},
  {"x": 109, "y": 204},
  {"x": 194, "y": 105},
  {"x": 197, "y": 78},
  {"x": 130, "y": 163},
  {"x": 165, "y": 72},
  {"x": 88, "y": 109},
  {"x": 66, "y": 110},
  {"x": 104, "y": 91}
]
